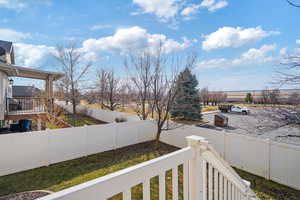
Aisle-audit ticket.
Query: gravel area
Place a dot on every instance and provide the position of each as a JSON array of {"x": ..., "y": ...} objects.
[
  {"x": 25, "y": 195},
  {"x": 259, "y": 123}
]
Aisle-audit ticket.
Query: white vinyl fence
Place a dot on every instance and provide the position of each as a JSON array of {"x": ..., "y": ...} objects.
[
  {"x": 23, "y": 151},
  {"x": 205, "y": 176},
  {"x": 103, "y": 115},
  {"x": 276, "y": 161}
]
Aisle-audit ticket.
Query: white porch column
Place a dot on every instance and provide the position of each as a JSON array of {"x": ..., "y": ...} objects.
[{"x": 197, "y": 168}]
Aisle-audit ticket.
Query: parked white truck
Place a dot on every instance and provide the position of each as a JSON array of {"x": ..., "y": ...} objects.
[{"x": 233, "y": 108}]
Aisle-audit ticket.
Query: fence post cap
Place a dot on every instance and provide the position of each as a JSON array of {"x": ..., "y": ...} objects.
[{"x": 196, "y": 140}]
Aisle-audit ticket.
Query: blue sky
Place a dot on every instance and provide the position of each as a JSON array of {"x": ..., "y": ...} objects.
[{"x": 240, "y": 43}]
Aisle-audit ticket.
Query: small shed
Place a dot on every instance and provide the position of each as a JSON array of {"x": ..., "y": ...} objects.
[{"x": 221, "y": 120}]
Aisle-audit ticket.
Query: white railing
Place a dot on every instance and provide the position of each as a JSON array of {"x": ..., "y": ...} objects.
[
  {"x": 218, "y": 177},
  {"x": 205, "y": 176}
]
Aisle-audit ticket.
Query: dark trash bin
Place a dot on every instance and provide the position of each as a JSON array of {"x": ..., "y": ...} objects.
[
  {"x": 25, "y": 125},
  {"x": 221, "y": 120}
]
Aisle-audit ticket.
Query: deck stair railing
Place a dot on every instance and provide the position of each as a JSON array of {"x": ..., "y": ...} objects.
[{"x": 204, "y": 176}]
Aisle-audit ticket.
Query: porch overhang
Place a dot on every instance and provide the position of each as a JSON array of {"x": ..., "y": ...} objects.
[{"x": 16, "y": 71}]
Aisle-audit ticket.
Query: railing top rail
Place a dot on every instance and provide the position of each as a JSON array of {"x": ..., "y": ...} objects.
[
  {"x": 109, "y": 185},
  {"x": 210, "y": 155},
  {"x": 26, "y": 98},
  {"x": 218, "y": 162}
]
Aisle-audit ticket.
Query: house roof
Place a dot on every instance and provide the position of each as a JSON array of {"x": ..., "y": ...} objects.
[
  {"x": 12, "y": 70},
  {"x": 25, "y": 91},
  {"x": 7, "y": 46}
]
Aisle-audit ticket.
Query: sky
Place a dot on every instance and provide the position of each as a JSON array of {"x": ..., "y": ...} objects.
[{"x": 240, "y": 44}]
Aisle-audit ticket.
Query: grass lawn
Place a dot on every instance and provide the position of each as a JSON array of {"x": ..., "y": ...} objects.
[
  {"x": 81, "y": 120},
  {"x": 66, "y": 174}
]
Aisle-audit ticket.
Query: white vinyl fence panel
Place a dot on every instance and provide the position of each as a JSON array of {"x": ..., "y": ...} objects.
[
  {"x": 276, "y": 161},
  {"x": 97, "y": 113},
  {"x": 23, "y": 151}
]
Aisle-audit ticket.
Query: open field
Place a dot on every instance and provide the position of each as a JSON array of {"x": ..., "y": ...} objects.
[
  {"x": 66, "y": 174},
  {"x": 260, "y": 124}
]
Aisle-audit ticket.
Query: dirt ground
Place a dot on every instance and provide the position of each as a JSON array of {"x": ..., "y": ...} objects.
[{"x": 259, "y": 123}]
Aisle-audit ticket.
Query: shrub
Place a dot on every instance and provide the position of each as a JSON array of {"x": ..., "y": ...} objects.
[{"x": 120, "y": 119}]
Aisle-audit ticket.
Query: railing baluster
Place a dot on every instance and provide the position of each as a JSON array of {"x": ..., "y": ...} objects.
[
  {"x": 204, "y": 179},
  {"x": 210, "y": 182},
  {"x": 225, "y": 189},
  {"x": 221, "y": 185},
  {"x": 175, "y": 183},
  {"x": 185, "y": 181},
  {"x": 232, "y": 192},
  {"x": 127, "y": 194},
  {"x": 146, "y": 190},
  {"x": 162, "y": 186},
  {"x": 216, "y": 188},
  {"x": 229, "y": 191}
]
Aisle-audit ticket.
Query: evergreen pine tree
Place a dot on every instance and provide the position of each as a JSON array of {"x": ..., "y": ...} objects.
[
  {"x": 249, "y": 98},
  {"x": 186, "y": 104}
]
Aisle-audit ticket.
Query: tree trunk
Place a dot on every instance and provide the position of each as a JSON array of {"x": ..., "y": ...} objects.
[
  {"x": 74, "y": 106},
  {"x": 158, "y": 132}
]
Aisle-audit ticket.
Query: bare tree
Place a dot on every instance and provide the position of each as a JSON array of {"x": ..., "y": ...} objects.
[
  {"x": 112, "y": 91},
  {"x": 270, "y": 96},
  {"x": 163, "y": 87},
  {"x": 108, "y": 89},
  {"x": 204, "y": 96},
  {"x": 294, "y": 99},
  {"x": 293, "y": 4},
  {"x": 74, "y": 68},
  {"x": 212, "y": 98},
  {"x": 101, "y": 85},
  {"x": 125, "y": 93},
  {"x": 274, "y": 96},
  {"x": 140, "y": 72},
  {"x": 265, "y": 96}
]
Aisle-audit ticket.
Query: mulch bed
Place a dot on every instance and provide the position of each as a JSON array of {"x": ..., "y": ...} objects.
[{"x": 31, "y": 195}]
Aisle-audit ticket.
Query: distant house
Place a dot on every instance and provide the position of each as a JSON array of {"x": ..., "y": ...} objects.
[
  {"x": 23, "y": 102},
  {"x": 7, "y": 52},
  {"x": 20, "y": 91}
]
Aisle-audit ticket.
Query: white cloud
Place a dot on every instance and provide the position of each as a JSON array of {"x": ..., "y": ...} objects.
[
  {"x": 100, "y": 27},
  {"x": 29, "y": 55},
  {"x": 12, "y": 4},
  {"x": 211, "y": 6},
  {"x": 283, "y": 52},
  {"x": 251, "y": 57},
  {"x": 12, "y": 35},
  {"x": 19, "y": 4},
  {"x": 164, "y": 9},
  {"x": 123, "y": 41},
  {"x": 171, "y": 9},
  {"x": 298, "y": 42},
  {"x": 132, "y": 39},
  {"x": 189, "y": 10},
  {"x": 234, "y": 37}
]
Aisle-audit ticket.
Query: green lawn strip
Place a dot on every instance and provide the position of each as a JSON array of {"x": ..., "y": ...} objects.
[
  {"x": 67, "y": 174},
  {"x": 81, "y": 120},
  {"x": 266, "y": 189}
]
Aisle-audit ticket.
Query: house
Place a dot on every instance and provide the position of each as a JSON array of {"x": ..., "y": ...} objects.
[
  {"x": 24, "y": 105},
  {"x": 22, "y": 91}
]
